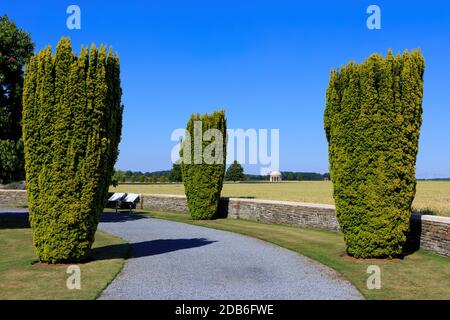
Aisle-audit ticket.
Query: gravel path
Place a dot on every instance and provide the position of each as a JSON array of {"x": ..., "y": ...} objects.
[{"x": 172, "y": 260}]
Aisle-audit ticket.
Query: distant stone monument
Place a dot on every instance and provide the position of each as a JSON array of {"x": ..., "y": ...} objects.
[{"x": 275, "y": 176}]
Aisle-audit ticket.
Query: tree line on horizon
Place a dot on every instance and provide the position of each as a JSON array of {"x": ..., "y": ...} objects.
[{"x": 232, "y": 174}]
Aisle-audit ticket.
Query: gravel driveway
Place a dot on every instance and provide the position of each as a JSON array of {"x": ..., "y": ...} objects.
[{"x": 172, "y": 260}]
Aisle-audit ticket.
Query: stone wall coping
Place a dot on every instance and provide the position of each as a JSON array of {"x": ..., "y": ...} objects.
[
  {"x": 287, "y": 203},
  {"x": 163, "y": 195},
  {"x": 426, "y": 217},
  {"x": 265, "y": 201}
]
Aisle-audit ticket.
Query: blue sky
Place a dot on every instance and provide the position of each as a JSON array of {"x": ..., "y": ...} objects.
[{"x": 266, "y": 62}]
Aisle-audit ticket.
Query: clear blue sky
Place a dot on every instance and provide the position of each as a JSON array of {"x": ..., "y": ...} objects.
[{"x": 266, "y": 62}]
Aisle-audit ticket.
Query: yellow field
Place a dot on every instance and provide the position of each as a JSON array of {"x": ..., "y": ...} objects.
[{"x": 433, "y": 197}]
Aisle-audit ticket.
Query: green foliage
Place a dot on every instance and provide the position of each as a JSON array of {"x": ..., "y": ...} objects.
[
  {"x": 372, "y": 121},
  {"x": 16, "y": 48},
  {"x": 235, "y": 172},
  {"x": 175, "y": 173},
  {"x": 203, "y": 179},
  {"x": 118, "y": 176},
  {"x": 72, "y": 121}
]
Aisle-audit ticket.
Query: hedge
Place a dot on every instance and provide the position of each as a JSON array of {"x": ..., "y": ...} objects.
[
  {"x": 72, "y": 120},
  {"x": 202, "y": 179},
  {"x": 372, "y": 121}
]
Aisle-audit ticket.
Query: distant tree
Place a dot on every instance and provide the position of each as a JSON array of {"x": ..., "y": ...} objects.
[
  {"x": 235, "y": 172},
  {"x": 16, "y": 48},
  {"x": 299, "y": 177},
  {"x": 175, "y": 173},
  {"x": 141, "y": 178},
  {"x": 132, "y": 179},
  {"x": 118, "y": 176},
  {"x": 162, "y": 179},
  {"x": 290, "y": 176}
]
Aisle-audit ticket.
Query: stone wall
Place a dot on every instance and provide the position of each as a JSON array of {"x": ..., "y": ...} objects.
[
  {"x": 283, "y": 212},
  {"x": 427, "y": 232},
  {"x": 431, "y": 233},
  {"x": 278, "y": 212},
  {"x": 13, "y": 198},
  {"x": 163, "y": 202}
]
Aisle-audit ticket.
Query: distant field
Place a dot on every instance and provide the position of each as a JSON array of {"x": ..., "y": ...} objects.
[{"x": 433, "y": 197}]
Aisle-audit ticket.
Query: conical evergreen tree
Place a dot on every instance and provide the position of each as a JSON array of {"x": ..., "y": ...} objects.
[
  {"x": 203, "y": 180},
  {"x": 372, "y": 122},
  {"x": 72, "y": 127}
]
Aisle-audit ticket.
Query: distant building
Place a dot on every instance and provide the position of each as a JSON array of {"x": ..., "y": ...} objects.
[{"x": 275, "y": 176}]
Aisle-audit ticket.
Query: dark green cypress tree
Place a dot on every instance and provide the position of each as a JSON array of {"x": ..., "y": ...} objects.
[
  {"x": 175, "y": 173},
  {"x": 202, "y": 178},
  {"x": 72, "y": 124},
  {"x": 372, "y": 123},
  {"x": 235, "y": 172}
]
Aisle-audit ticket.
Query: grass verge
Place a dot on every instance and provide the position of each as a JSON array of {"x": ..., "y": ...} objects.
[
  {"x": 21, "y": 279},
  {"x": 421, "y": 275}
]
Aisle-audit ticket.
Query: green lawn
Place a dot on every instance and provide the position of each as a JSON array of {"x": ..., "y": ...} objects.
[
  {"x": 421, "y": 275},
  {"x": 20, "y": 278},
  {"x": 433, "y": 197}
]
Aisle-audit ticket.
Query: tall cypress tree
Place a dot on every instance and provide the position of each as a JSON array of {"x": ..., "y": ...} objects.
[
  {"x": 203, "y": 178},
  {"x": 372, "y": 121},
  {"x": 71, "y": 129}
]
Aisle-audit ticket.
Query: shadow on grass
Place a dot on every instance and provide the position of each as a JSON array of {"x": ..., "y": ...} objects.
[{"x": 147, "y": 248}]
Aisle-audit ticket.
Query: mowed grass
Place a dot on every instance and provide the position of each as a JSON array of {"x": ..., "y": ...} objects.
[
  {"x": 421, "y": 275},
  {"x": 432, "y": 197},
  {"x": 21, "y": 278}
]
